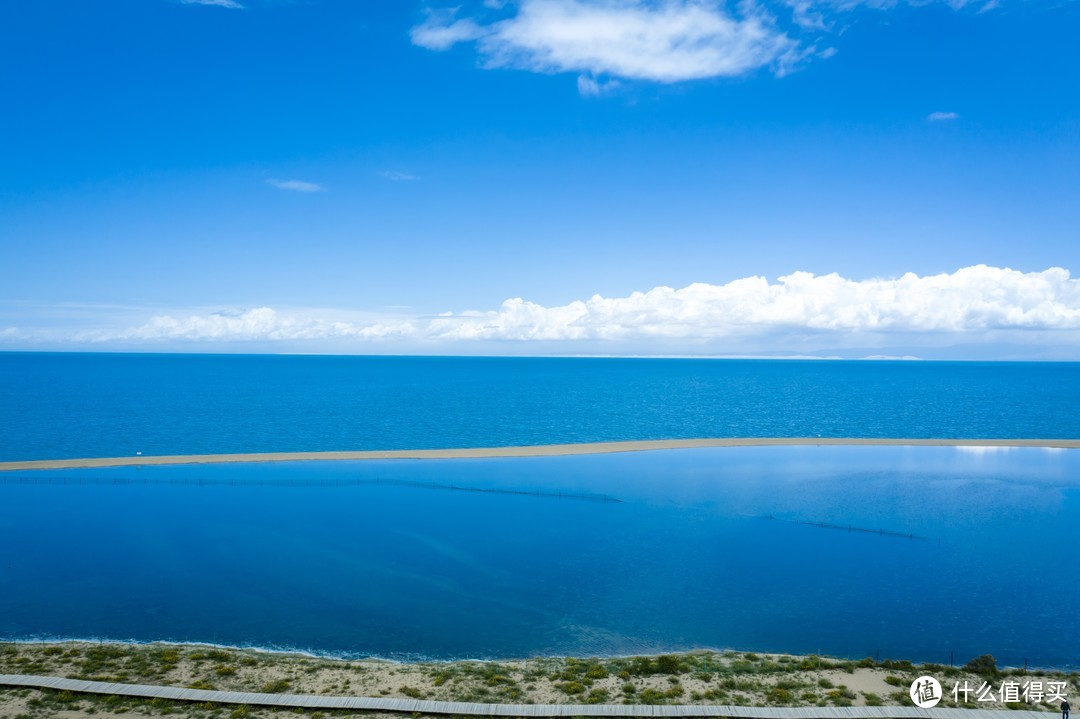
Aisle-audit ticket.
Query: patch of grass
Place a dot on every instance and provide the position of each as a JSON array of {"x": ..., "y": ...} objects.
[
  {"x": 276, "y": 687},
  {"x": 902, "y": 665},
  {"x": 597, "y": 696},
  {"x": 596, "y": 671},
  {"x": 777, "y": 695}
]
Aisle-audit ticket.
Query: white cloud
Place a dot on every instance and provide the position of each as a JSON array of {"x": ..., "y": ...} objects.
[
  {"x": 968, "y": 305},
  {"x": 591, "y": 87},
  {"x": 231, "y": 4},
  {"x": 296, "y": 185},
  {"x": 974, "y": 299},
  {"x": 654, "y": 40},
  {"x": 261, "y": 323},
  {"x": 942, "y": 116},
  {"x": 397, "y": 176},
  {"x": 664, "y": 42},
  {"x": 440, "y": 31}
]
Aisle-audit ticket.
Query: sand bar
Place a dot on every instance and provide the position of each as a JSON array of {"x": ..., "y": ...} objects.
[{"x": 546, "y": 450}]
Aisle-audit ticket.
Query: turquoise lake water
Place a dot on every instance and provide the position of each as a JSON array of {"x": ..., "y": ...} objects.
[{"x": 970, "y": 551}]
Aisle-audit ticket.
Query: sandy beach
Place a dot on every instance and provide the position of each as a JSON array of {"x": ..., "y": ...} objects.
[
  {"x": 547, "y": 450},
  {"x": 705, "y": 677}
]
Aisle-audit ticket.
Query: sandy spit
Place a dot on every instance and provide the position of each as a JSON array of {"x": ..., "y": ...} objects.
[{"x": 546, "y": 450}]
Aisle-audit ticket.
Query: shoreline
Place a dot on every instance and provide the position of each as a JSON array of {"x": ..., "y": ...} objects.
[
  {"x": 700, "y": 677},
  {"x": 547, "y": 450},
  {"x": 316, "y": 655}
]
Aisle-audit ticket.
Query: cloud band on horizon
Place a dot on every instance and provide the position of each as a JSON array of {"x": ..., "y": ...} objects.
[{"x": 969, "y": 305}]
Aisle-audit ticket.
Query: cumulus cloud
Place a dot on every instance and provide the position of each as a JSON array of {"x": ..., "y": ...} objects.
[
  {"x": 942, "y": 116},
  {"x": 663, "y": 42},
  {"x": 964, "y": 306},
  {"x": 231, "y": 4},
  {"x": 296, "y": 185},
  {"x": 653, "y": 40},
  {"x": 261, "y": 323}
]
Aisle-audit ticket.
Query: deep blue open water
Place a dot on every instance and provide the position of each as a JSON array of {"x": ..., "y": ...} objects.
[
  {"x": 704, "y": 548},
  {"x": 87, "y": 405}
]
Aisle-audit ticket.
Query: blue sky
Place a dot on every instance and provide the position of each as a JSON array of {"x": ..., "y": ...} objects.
[{"x": 542, "y": 176}]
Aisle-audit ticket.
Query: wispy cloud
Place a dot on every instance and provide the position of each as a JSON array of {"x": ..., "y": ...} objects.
[
  {"x": 296, "y": 185},
  {"x": 591, "y": 87},
  {"x": 942, "y": 116},
  {"x": 397, "y": 176},
  {"x": 666, "y": 42},
  {"x": 972, "y": 305},
  {"x": 231, "y": 4},
  {"x": 442, "y": 31}
]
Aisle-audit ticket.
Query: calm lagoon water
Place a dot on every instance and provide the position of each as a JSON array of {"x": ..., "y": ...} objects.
[{"x": 319, "y": 556}]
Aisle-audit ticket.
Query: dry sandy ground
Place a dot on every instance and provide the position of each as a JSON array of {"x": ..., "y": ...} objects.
[{"x": 696, "y": 678}]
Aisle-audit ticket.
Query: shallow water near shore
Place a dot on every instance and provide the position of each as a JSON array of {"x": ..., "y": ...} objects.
[{"x": 911, "y": 552}]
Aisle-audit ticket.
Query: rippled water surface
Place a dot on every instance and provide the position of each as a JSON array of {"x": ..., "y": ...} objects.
[{"x": 102, "y": 405}]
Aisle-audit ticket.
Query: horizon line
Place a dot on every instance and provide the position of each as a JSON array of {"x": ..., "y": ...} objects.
[{"x": 785, "y": 358}]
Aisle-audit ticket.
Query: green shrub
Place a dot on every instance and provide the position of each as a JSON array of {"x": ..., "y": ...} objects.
[
  {"x": 984, "y": 665},
  {"x": 596, "y": 696},
  {"x": 275, "y": 687},
  {"x": 776, "y": 695},
  {"x": 667, "y": 664},
  {"x": 596, "y": 671}
]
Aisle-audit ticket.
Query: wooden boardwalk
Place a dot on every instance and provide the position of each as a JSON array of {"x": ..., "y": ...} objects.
[{"x": 308, "y": 701}]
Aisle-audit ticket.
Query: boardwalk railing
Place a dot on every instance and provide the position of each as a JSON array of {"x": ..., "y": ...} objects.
[{"x": 309, "y": 701}]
